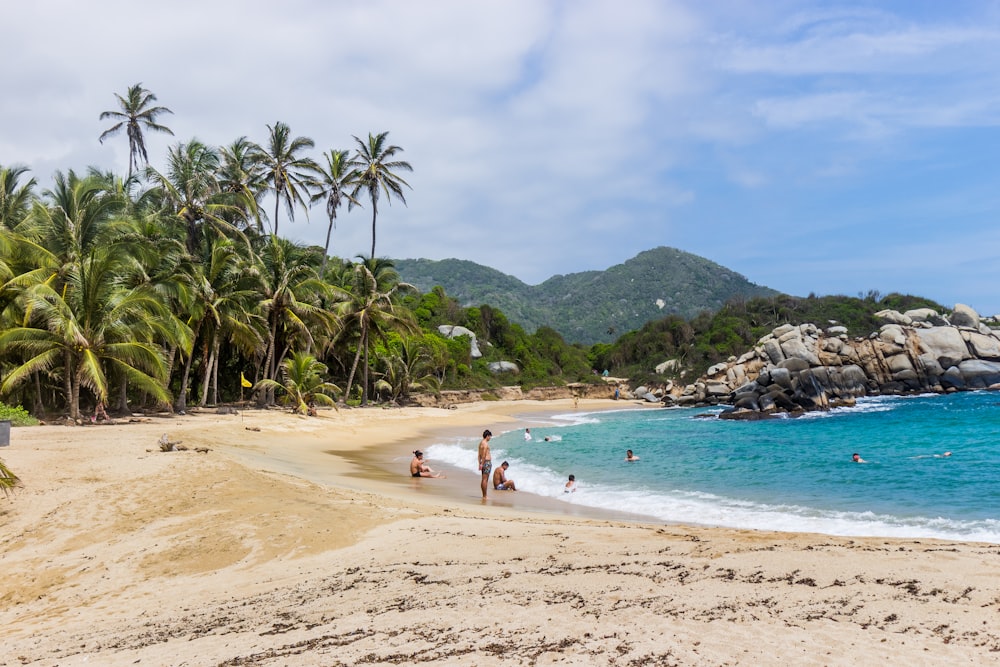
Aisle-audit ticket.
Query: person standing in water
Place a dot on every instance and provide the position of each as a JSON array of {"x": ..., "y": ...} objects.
[{"x": 485, "y": 460}]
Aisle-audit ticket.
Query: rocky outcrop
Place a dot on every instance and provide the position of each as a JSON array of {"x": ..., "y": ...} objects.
[
  {"x": 503, "y": 367},
  {"x": 800, "y": 368}
]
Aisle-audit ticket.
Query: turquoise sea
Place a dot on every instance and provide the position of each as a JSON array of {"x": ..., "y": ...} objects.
[{"x": 783, "y": 474}]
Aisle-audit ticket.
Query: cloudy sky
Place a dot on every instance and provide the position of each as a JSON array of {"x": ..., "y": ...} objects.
[{"x": 825, "y": 147}]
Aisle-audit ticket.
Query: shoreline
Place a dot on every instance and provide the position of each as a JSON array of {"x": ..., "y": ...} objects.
[{"x": 276, "y": 547}]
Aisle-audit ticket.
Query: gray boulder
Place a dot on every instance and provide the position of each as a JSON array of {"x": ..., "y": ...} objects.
[
  {"x": 454, "y": 331},
  {"x": 503, "y": 367},
  {"x": 964, "y": 316}
]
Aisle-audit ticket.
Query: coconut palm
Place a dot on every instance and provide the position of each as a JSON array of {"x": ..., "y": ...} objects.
[
  {"x": 243, "y": 174},
  {"x": 85, "y": 310},
  {"x": 190, "y": 190},
  {"x": 137, "y": 114},
  {"x": 287, "y": 170},
  {"x": 374, "y": 288},
  {"x": 292, "y": 300},
  {"x": 406, "y": 366},
  {"x": 92, "y": 326},
  {"x": 302, "y": 382},
  {"x": 228, "y": 288},
  {"x": 15, "y": 196},
  {"x": 331, "y": 185},
  {"x": 376, "y": 173}
]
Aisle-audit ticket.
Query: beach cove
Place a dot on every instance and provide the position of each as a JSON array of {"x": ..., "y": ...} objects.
[{"x": 291, "y": 541}]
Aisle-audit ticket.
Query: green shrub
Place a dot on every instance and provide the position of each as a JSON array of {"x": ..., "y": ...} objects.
[{"x": 18, "y": 416}]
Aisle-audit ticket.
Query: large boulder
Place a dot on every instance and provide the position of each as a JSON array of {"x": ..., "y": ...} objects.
[
  {"x": 964, "y": 316},
  {"x": 503, "y": 367},
  {"x": 454, "y": 331},
  {"x": 945, "y": 344}
]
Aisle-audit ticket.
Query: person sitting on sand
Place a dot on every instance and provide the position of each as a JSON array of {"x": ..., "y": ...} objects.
[
  {"x": 420, "y": 469},
  {"x": 570, "y": 485},
  {"x": 629, "y": 456},
  {"x": 500, "y": 481},
  {"x": 857, "y": 458}
]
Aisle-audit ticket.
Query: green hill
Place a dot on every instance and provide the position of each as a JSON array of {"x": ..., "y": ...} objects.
[{"x": 584, "y": 307}]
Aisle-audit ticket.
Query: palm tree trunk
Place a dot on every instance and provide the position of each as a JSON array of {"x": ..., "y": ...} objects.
[
  {"x": 181, "y": 404},
  {"x": 215, "y": 373},
  {"x": 39, "y": 405},
  {"x": 326, "y": 249},
  {"x": 207, "y": 378},
  {"x": 350, "y": 377},
  {"x": 374, "y": 214},
  {"x": 123, "y": 397},
  {"x": 68, "y": 383},
  {"x": 364, "y": 387}
]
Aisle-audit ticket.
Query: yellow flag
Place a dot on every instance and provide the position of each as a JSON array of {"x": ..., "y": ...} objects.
[{"x": 244, "y": 381}]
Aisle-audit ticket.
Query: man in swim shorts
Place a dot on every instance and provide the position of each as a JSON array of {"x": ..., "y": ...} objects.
[
  {"x": 500, "y": 481},
  {"x": 485, "y": 460}
]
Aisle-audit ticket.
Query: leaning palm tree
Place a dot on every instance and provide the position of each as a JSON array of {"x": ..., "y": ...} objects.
[
  {"x": 332, "y": 185},
  {"x": 287, "y": 169},
  {"x": 376, "y": 173},
  {"x": 136, "y": 115},
  {"x": 302, "y": 382}
]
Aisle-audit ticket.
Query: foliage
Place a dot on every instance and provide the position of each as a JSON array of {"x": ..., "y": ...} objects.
[
  {"x": 17, "y": 415},
  {"x": 592, "y": 306}
]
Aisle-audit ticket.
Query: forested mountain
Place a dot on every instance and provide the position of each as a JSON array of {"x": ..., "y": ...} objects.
[{"x": 591, "y": 306}]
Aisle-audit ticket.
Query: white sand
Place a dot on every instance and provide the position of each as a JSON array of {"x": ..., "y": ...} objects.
[{"x": 270, "y": 550}]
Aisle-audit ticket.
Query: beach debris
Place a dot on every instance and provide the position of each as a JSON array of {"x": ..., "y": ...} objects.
[
  {"x": 253, "y": 428},
  {"x": 202, "y": 450},
  {"x": 168, "y": 445}
]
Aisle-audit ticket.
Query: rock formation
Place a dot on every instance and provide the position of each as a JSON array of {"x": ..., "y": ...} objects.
[{"x": 800, "y": 368}]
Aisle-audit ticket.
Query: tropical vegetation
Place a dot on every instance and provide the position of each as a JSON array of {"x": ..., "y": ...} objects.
[{"x": 161, "y": 288}]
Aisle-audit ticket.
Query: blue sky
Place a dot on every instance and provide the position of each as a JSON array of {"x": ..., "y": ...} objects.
[{"x": 814, "y": 147}]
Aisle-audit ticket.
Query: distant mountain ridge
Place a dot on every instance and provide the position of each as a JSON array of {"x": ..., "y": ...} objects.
[{"x": 584, "y": 306}]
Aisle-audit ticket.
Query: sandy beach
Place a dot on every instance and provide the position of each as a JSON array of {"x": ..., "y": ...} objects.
[{"x": 292, "y": 541}]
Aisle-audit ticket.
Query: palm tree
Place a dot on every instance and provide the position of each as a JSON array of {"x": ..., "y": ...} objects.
[
  {"x": 15, "y": 197},
  {"x": 287, "y": 170},
  {"x": 303, "y": 383},
  {"x": 376, "y": 173},
  {"x": 332, "y": 185},
  {"x": 8, "y": 480},
  {"x": 92, "y": 326},
  {"x": 374, "y": 288},
  {"x": 191, "y": 191},
  {"x": 136, "y": 114},
  {"x": 292, "y": 301},
  {"x": 243, "y": 175},
  {"x": 83, "y": 305}
]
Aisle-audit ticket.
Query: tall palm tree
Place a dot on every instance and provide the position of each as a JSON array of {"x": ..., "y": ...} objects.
[
  {"x": 287, "y": 169},
  {"x": 376, "y": 173},
  {"x": 374, "y": 289},
  {"x": 191, "y": 191},
  {"x": 243, "y": 175},
  {"x": 332, "y": 185},
  {"x": 137, "y": 114}
]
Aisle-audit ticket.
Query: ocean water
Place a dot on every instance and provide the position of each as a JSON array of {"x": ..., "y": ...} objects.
[{"x": 783, "y": 474}]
